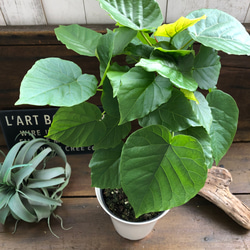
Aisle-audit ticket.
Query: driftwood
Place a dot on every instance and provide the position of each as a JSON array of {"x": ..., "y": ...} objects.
[{"x": 216, "y": 190}]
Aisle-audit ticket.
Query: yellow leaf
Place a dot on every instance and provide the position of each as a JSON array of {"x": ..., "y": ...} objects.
[
  {"x": 189, "y": 95},
  {"x": 170, "y": 30}
]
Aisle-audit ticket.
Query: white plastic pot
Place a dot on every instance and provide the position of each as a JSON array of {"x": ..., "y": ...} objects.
[{"x": 129, "y": 230}]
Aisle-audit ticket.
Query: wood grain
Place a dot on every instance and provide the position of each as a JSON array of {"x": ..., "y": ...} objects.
[
  {"x": 96, "y": 15},
  {"x": 196, "y": 225},
  {"x": 216, "y": 190},
  {"x": 23, "y": 12},
  {"x": 177, "y": 8},
  {"x": 247, "y": 18},
  {"x": 2, "y": 21},
  {"x": 64, "y": 11},
  {"x": 36, "y": 12}
]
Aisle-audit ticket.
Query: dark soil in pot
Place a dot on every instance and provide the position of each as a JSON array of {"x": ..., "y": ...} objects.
[{"x": 117, "y": 202}]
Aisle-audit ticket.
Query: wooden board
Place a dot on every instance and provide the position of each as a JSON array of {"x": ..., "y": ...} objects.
[
  {"x": 2, "y": 21},
  {"x": 196, "y": 225},
  {"x": 177, "y": 8},
  {"x": 35, "y": 12},
  {"x": 23, "y": 12},
  {"x": 163, "y": 5},
  {"x": 64, "y": 11},
  {"x": 96, "y": 15},
  {"x": 247, "y": 19}
]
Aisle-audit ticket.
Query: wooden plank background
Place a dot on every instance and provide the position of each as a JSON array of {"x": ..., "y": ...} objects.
[{"x": 40, "y": 12}]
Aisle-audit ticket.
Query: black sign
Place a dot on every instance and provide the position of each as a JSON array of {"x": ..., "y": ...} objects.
[{"x": 18, "y": 125}]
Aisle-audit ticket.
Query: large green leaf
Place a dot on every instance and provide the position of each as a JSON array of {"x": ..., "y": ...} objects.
[
  {"x": 137, "y": 51},
  {"x": 123, "y": 37},
  {"x": 169, "y": 70},
  {"x": 174, "y": 117},
  {"x": 80, "y": 39},
  {"x": 204, "y": 139},
  {"x": 202, "y": 111},
  {"x": 135, "y": 14},
  {"x": 114, "y": 132},
  {"x": 182, "y": 40},
  {"x": 145, "y": 91},
  {"x": 109, "y": 103},
  {"x": 56, "y": 82},
  {"x": 158, "y": 171},
  {"x": 207, "y": 68},
  {"x": 105, "y": 50},
  {"x": 114, "y": 74},
  {"x": 225, "y": 119},
  {"x": 104, "y": 166},
  {"x": 77, "y": 126},
  {"x": 220, "y": 31}
]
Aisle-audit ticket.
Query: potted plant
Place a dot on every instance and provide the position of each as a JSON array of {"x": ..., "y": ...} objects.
[
  {"x": 31, "y": 189},
  {"x": 183, "y": 122}
]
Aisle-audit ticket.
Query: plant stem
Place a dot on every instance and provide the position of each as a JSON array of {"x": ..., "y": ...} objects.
[
  {"x": 146, "y": 39},
  {"x": 186, "y": 44},
  {"x": 104, "y": 75}
]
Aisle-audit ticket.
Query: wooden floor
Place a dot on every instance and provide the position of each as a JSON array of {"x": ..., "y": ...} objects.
[{"x": 195, "y": 225}]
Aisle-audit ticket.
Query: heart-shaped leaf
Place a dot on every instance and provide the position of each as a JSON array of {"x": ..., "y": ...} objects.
[
  {"x": 104, "y": 51},
  {"x": 80, "y": 39},
  {"x": 77, "y": 126},
  {"x": 56, "y": 82},
  {"x": 204, "y": 139},
  {"x": 104, "y": 166},
  {"x": 207, "y": 68},
  {"x": 145, "y": 91},
  {"x": 169, "y": 70},
  {"x": 114, "y": 74},
  {"x": 109, "y": 103},
  {"x": 202, "y": 111},
  {"x": 174, "y": 117},
  {"x": 114, "y": 133},
  {"x": 220, "y": 31},
  {"x": 182, "y": 40},
  {"x": 158, "y": 171},
  {"x": 172, "y": 29},
  {"x": 137, "y": 15},
  {"x": 225, "y": 119},
  {"x": 123, "y": 37}
]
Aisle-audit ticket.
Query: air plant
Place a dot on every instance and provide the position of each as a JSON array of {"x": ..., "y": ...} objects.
[{"x": 30, "y": 190}]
